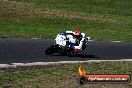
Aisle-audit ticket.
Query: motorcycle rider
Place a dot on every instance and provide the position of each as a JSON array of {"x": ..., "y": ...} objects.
[
  {"x": 75, "y": 39},
  {"x": 80, "y": 39}
]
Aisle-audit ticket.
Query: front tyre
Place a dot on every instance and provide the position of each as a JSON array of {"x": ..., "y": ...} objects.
[{"x": 52, "y": 49}]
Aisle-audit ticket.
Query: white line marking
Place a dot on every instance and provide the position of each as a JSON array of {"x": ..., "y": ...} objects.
[
  {"x": 90, "y": 40},
  {"x": 116, "y": 41},
  {"x": 15, "y": 65},
  {"x": 36, "y": 38}
]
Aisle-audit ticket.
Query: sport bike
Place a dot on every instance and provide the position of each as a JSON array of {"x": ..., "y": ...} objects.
[{"x": 64, "y": 47}]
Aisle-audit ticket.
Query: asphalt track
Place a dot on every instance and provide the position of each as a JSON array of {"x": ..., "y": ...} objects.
[{"x": 33, "y": 50}]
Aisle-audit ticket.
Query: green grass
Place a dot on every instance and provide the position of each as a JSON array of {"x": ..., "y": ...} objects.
[
  {"x": 64, "y": 75},
  {"x": 110, "y": 7},
  {"x": 100, "y": 19}
]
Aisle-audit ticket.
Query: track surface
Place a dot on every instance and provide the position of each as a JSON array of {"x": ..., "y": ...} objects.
[{"x": 31, "y": 50}]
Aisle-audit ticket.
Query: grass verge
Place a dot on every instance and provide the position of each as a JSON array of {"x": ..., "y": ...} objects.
[
  {"x": 63, "y": 76},
  {"x": 102, "y": 20}
]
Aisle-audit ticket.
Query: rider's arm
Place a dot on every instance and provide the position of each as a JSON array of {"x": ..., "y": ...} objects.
[{"x": 81, "y": 42}]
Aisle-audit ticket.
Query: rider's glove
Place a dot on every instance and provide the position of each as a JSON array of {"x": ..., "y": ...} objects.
[{"x": 71, "y": 46}]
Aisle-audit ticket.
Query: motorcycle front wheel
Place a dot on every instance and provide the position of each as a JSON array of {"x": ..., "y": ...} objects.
[{"x": 52, "y": 49}]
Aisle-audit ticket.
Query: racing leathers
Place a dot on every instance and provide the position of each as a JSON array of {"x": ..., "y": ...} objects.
[{"x": 76, "y": 43}]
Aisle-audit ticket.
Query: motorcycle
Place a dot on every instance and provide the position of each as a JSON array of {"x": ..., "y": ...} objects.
[{"x": 63, "y": 46}]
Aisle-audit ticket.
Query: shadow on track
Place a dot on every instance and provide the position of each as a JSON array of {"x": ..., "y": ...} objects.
[{"x": 79, "y": 55}]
